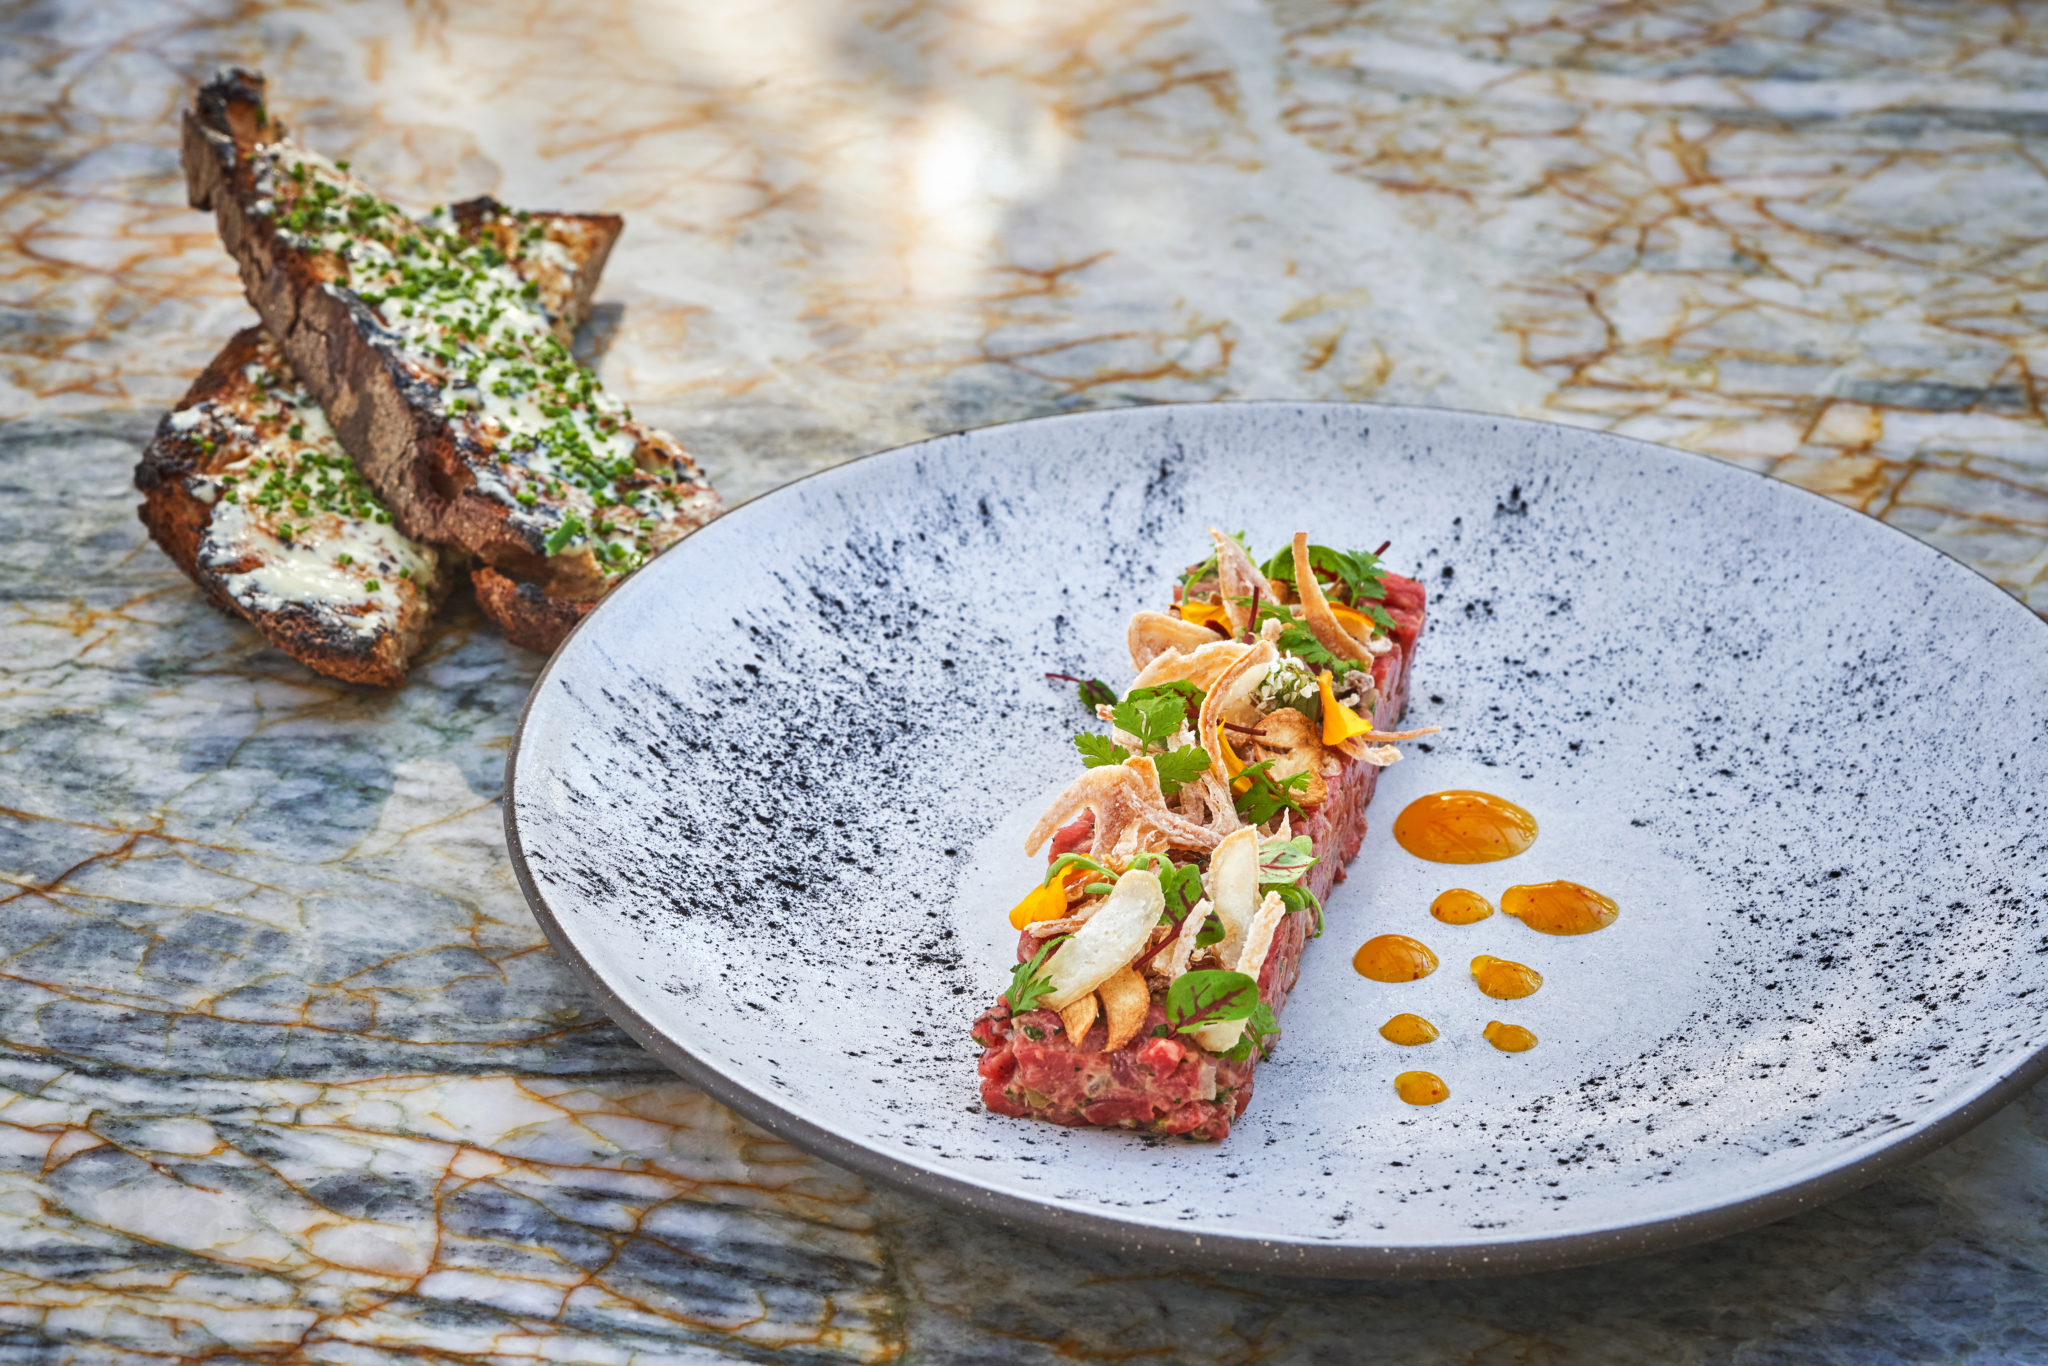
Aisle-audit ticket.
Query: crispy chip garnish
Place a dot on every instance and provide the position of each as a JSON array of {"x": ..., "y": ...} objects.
[
  {"x": 1153, "y": 634},
  {"x": 1292, "y": 742},
  {"x": 1201, "y": 666},
  {"x": 1079, "y": 1018},
  {"x": 1231, "y": 699},
  {"x": 1184, "y": 942},
  {"x": 1315, "y": 609},
  {"x": 1233, "y": 885},
  {"x": 1125, "y": 1001}
]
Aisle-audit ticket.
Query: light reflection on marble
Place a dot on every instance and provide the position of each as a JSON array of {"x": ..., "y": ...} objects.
[{"x": 286, "y": 1071}]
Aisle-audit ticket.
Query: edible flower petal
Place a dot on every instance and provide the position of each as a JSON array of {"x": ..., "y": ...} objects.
[
  {"x": 1047, "y": 901},
  {"x": 1340, "y": 723},
  {"x": 1206, "y": 614},
  {"x": 1355, "y": 623}
]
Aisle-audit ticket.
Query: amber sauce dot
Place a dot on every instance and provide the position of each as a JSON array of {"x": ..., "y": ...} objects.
[
  {"x": 1559, "y": 907},
  {"x": 1394, "y": 958},
  {"x": 1421, "y": 1088},
  {"x": 1408, "y": 1030},
  {"x": 1462, "y": 826},
  {"x": 1460, "y": 907},
  {"x": 1504, "y": 980},
  {"x": 1509, "y": 1038}
]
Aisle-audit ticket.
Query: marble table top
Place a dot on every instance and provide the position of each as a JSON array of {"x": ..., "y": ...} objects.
[{"x": 287, "y": 1072}]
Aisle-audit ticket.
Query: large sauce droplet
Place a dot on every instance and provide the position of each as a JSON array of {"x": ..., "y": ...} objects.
[
  {"x": 1460, "y": 907},
  {"x": 1504, "y": 980},
  {"x": 1421, "y": 1088},
  {"x": 1408, "y": 1030},
  {"x": 1509, "y": 1038},
  {"x": 1464, "y": 827},
  {"x": 1559, "y": 907},
  {"x": 1394, "y": 958}
]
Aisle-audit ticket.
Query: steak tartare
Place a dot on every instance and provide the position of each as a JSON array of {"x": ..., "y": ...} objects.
[{"x": 1187, "y": 866}]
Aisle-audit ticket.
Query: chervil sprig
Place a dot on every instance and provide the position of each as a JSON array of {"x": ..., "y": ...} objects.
[{"x": 1027, "y": 988}]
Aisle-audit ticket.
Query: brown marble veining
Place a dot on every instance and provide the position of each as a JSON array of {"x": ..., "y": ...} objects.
[{"x": 286, "y": 1070}]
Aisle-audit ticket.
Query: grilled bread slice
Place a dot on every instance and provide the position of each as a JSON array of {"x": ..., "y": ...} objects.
[
  {"x": 222, "y": 481},
  {"x": 246, "y": 487},
  {"x": 435, "y": 362}
]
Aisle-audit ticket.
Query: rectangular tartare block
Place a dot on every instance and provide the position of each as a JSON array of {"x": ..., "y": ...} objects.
[{"x": 1029, "y": 1068}]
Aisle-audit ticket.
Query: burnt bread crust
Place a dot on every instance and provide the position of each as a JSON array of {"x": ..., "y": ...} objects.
[
  {"x": 246, "y": 489},
  {"x": 528, "y": 617},
  {"x": 435, "y": 362}
]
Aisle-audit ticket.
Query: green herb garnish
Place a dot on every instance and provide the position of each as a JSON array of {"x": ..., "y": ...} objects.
[
  {"x": 1153, "y": 720},
  {"x": 1357, "y": 574},
  {"x": 1027, "y": 988},
  {"x": 1209, "y": 996},
  {"x": 1066, "y": 861},
  {"x": 1098, "y": 751},
  {"x": 1182, "y": 886},
  {"x": 1268, "y": 796},
  {"x": 570, "y": 528},
  {"x": 1179, "y": 767},
  {"x": 1299, "y": 898},
  {"x": 1094, "y": 692},
  {"x": 1260, "y": 1030},
  {"x": 1285, "y": 861}
]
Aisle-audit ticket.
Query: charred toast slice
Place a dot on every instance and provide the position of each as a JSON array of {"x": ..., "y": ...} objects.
[
  {"x": 222, "y": 480},
  {"x": 436, "y": 364},
  {"x": 246, "y": 487}
]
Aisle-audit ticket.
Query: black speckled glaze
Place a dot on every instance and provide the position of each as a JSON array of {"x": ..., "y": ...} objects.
[{"x": 769, "y": 799}]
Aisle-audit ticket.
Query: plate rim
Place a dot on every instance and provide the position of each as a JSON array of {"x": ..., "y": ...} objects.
[{"x": 1246, "y": 1252}]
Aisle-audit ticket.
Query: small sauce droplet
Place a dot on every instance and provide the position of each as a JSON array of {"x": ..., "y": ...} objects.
[
  {"x": 1559, "y": 907},
  {"x": 1408, "y": 1030},
  {"x": 1460, "y": 907},
  {"x": 1509, "y": 1038},
  {"x": 1464, "y": 827},
  {"x": 1421, "y": 1088},
  {"x": 1394, "y": 958},
  {"x": 1504, "y": 980}
]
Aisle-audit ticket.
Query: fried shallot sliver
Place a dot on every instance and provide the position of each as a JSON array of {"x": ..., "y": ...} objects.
[
  {"x": 1361, "y": 748},
  {"x": 1239, "y": 581},
  {"x": 1046, "y": 929},
  {"x": 1184, "y": 942},
  {"x": 1231, "y": 700},
  {"x": 1207, "y": 802},
  {"x": 1315, "y": 609},
  {"x": 1122, "y": 796}
]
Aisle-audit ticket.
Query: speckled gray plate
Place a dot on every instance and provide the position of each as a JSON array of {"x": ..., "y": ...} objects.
[{"x": 769, "y": 799}]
